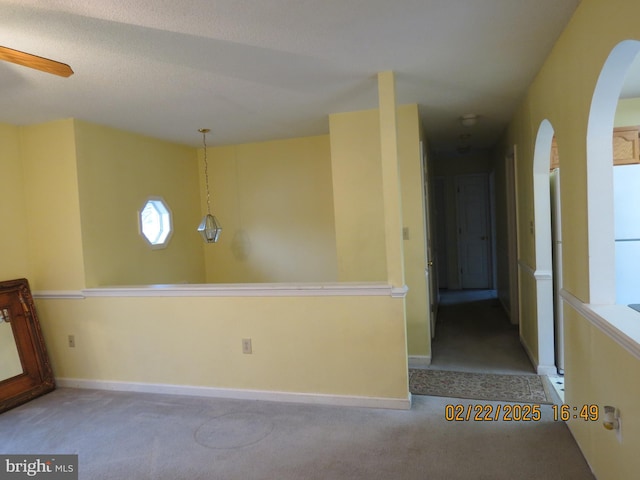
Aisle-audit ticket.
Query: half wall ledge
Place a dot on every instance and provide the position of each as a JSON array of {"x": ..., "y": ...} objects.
[{"x": 618, "y": 322}]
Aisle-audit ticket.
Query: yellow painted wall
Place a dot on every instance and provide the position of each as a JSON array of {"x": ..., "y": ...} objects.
[
  {"x": 528, "y": 312},
  {"x": 12, "y": 210},
  {"x": 597, "y": 369},
  {"x": 390, "y": 170},
  {"x": 352, "y": 346},
  {"x": 501, "y": 231},
  {"x": 357, "y": 196},
  {"x": 117, "y": 172},
  {"x": 600, "y": 372},
  {"x": 357, "y": 186},
  {"x": 414, "y": 219},
  {"x": 355, "y": 345},
  {"x": 274, "y": 201},
  {"x": 52, "y": 207},
  {"x": 627, "y": 113}
]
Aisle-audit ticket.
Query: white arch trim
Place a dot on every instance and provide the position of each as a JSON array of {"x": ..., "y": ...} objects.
[
  {"x": 543, "y": 272},
  {"x": 600, "y": 172}
]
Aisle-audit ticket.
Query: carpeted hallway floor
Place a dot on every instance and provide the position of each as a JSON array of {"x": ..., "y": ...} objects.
[
  {"x": 120, "y": 435},
  {"x": 473, "y": 334}
]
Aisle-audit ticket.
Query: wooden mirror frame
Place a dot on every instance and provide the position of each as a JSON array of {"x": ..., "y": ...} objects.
[{"x": 37, "y": 376}]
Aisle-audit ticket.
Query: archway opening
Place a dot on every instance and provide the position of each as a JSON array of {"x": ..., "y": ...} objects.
[{"x": 600, "y": 173}]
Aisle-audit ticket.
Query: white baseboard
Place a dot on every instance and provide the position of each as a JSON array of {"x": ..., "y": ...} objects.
[
  {"x": 419, "y": 361},
  {"x": 239, "y": 394},
  {"x": 547, "y": 370}
]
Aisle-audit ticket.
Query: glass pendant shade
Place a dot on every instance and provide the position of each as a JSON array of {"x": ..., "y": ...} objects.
[{"x": 210, "y": 229}]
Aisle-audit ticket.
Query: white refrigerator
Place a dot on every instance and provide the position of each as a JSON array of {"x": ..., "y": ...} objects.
[{"x": 626, "y": 202}]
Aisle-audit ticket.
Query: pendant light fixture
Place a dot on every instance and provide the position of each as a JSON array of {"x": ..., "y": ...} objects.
[{"x": 209, "y": 228}]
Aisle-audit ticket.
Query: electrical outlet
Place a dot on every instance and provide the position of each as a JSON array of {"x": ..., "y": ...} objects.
[
  {"x": 72, "y": 341},
  {"x": 246, "y": 345},
  {"x": 405, "y": 233}
]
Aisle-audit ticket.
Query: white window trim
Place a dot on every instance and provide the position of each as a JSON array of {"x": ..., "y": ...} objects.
[{"x": 166, "y": 241}]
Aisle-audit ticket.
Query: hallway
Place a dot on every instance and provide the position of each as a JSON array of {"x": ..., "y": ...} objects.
[{"x": 473, "y": 334}]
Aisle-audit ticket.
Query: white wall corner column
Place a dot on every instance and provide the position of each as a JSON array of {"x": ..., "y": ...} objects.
[
  {"x": 544, "y": 318},
  {"x": 546, "y": 340}
]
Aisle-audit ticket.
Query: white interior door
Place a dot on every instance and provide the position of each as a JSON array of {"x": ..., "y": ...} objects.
[{"x": 474, "y": 253}]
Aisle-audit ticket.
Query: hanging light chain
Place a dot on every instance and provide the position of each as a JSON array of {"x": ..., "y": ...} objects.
[
  {"x": 209, "y": 227},
  {"x": 204, "y": 132}
]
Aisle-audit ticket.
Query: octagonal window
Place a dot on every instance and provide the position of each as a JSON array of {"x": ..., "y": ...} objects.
[{"x": 155, "y": 222}]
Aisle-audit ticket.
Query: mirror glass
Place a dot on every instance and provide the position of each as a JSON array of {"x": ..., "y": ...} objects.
[{"x": 10, "y": 365}]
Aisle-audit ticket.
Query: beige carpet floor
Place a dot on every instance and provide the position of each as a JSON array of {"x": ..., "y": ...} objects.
[
  {"x": 122, "y": 436},
  {"x": 476, "y": 336}
]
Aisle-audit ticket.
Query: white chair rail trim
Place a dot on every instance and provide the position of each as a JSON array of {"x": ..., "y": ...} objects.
[
  {"x": 231, "y": 290},
  {"x": 532, "y": 272},
  {"x": 62, "y": 294}
]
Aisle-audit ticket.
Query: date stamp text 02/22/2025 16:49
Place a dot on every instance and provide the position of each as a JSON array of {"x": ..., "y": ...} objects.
[{"x": 516, "y": 412}]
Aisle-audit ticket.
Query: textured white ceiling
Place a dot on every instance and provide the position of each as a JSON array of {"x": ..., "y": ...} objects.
[{"x": 253, "y": 70}]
